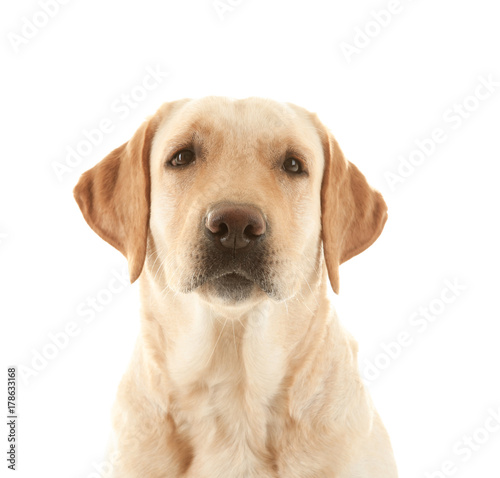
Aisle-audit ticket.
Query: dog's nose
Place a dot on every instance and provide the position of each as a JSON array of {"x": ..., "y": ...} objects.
[{"x": 235, "y": 226}]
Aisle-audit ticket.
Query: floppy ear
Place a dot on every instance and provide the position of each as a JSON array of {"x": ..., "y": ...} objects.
[
  {"x": 353, "y": 214},
  {"x": 114, "y": 196}
]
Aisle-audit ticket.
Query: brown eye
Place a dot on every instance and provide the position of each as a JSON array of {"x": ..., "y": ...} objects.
[
  {"x": 292, "y": 165},
  {"x": 182, "y": 158}
]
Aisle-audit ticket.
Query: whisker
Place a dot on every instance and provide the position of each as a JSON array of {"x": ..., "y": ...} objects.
[
  {"x": 304, "y": 303},
  {"x": 242, "y": 324},
  {"x": 215, "y": 346},
  {"x": 234, "y": 338},
  {"x": 286, "y": 307},
  {"x": 307, "y": 282}
]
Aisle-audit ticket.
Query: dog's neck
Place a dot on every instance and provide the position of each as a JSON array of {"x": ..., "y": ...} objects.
[
  {"x": 198, "y": 346},
  {"x": 229, "y": 385}
]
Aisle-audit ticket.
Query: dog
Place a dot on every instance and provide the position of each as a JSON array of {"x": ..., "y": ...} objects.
[{"x": 235, "y": 215}]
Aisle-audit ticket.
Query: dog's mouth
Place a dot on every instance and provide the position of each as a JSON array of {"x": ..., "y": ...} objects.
[
  {"x": 232, "y": 286},
  {"x": 234, "y": 279},
  {"x": 220, "y": 275}
]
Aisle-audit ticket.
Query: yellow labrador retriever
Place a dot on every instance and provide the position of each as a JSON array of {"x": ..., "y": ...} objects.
[{"x": 234, "y": 214}]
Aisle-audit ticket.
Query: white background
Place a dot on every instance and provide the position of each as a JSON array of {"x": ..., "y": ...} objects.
[{"x": 444, "y": 384}]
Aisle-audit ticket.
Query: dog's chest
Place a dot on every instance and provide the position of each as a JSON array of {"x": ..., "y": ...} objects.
[{"x": 226, "y": 390}]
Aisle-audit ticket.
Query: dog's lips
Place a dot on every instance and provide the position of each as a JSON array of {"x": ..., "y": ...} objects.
[
  {"x": 232, "y": 286},
  {"x": 232, "y": 273},
  {"x": 234, "y": 278}
]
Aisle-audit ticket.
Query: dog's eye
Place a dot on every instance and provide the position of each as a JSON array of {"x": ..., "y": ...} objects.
[
  {"x": 292, "y": 165},
  {"x": 182, "y": 158}
]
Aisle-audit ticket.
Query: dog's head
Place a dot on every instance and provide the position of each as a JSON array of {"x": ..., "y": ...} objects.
[{"x": 232, "y": 199}]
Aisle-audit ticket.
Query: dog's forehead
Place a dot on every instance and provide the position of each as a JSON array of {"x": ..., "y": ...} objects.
[
  {"x": 240, "y": 114},
  {"x": 242, "y": 120}
]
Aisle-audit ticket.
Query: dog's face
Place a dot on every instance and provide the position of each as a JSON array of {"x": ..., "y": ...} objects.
[
  {"x": 232, "y": 200},
  {"x": 235, "y": 203}
]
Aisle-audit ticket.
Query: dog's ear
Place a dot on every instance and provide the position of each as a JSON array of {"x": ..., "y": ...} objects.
[
  {"x": 353, "y": 214},
  {"x": 114, "y": 196}
]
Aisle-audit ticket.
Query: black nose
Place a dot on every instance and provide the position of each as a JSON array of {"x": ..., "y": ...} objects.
[{"x": 235, "y": 227}]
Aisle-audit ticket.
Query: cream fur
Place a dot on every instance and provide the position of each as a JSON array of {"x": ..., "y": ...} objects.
[{"x": 266, "y": 387}]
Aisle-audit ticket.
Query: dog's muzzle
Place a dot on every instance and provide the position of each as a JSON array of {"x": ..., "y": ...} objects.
[{"x": 234, "y": 256}]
